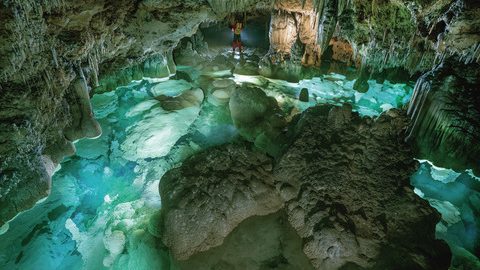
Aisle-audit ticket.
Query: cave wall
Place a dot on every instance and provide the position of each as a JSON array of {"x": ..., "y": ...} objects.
[
  {"x": 395, "y": 40},
  {"x": 445, "y": 113},
  {"x": 413, "y": 35}
]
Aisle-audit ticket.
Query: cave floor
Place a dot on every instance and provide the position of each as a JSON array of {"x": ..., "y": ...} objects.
[{"x": 99, "y": 213}]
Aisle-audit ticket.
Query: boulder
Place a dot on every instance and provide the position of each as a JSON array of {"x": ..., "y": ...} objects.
[
  {"x": 211, "y": 193},
  {"x": 344, "y": 193},
  {"x": 361, "y": 85},
  {"x": 345, "y": 182},
  {"x": 304, "y": 97},
  {"x": 257, "y": 117}
]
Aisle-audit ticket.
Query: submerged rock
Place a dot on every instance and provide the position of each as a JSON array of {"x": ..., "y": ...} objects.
[
  {"x": 223, "y": 83},
  {"x": 158, "y": 131},
  {"x": 222, "y": 91},
  {"x": 190, "y": 98},
  {"x": 104, "y": 104},
  {"x": 246, "y": 68},
  {"x": 170, "y": 88},
  {"x": 177, "y": 94},
  {"x": 221, "y": 96}
]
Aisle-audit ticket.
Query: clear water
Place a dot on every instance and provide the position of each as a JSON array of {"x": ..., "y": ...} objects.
[
  {"x": 456, "y": 196},
  {"x": 334, "y": 89},
  {"x": 101, "y": 211}
]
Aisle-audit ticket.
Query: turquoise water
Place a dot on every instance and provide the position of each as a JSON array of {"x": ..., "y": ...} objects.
[
  {"x": 335, "y": 89},
  {"x": 456, "y": 196},
  {"x": 102, "y": 208}
]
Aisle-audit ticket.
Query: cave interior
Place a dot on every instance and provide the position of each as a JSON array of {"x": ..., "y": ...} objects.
[{"x": 240, "y": 134}]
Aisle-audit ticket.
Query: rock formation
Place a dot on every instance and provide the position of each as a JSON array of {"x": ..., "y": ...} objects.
[
  {"x": 344, "y": 187},
  {"x": 258, "y": 118},
  {"x": 445, "y": 112},
  {"x": 259, "y": 242},
  {"x": 211, "y": 194}
]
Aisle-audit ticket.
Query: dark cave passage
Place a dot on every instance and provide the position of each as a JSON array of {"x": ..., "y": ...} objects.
[{"x": 254, "y": 34}]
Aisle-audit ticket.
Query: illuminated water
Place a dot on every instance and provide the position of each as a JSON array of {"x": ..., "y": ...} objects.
[
  {"x": 456, "y": 196},
  {"x": 101, "y": 213}
]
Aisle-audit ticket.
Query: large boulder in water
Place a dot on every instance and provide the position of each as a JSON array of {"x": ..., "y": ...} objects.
[
  {"x": 304, "y": 97},
  {"x": 211, "y": 193},
  {"x": 342, "y": 184},
  {"x": 257, "y": 117}
]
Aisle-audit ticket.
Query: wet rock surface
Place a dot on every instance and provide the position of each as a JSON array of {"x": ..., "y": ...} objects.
[
  {"x": 259, "y": 242},
  {"x": 347, "y": 193},
  {"x": 343, "y": 183}
]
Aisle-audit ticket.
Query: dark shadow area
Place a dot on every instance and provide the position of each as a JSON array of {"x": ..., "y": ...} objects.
[{"x": 254, "y": 35}]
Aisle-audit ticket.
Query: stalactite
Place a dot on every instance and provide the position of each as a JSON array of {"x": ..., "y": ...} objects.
[
  {"x": 93, "y": 64},
  {"x": 55, "y": 57},
  {"x": 445, "y": 118},
  {"x": 222, "y": 7},
  {"x": 415, "y": 109},
  {"x": 327, "y": 23}
]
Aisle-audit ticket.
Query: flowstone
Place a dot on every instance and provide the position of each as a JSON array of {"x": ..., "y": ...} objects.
[{"x": 333, "y": 89}]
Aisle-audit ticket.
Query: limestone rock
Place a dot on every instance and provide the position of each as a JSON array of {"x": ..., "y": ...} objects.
[
  {"x": 347, "y": 193},
  {"x": 177, "y": 94},
  {"x": 445, "y": 114},
  {"x": 221, "y": 96},
  {"x": 257, "y": 117},
  {"x": 83, "y": 122},
  {"x": 344, "y": 187},
  {"x": 259, "y": 242},
  {"x": 361, "y": 85},
  {"x": 157, "y": 132},
  {"x": 190, "y": 98},
  {"x": 223, "y": 83},
  {"x": 304, "y": 97},
  {"x": 170, "y": 88},
  {"x": 246, "y": 68},
  {"x": 211, "y": 193},
  {"x": 104, "y": 104}
]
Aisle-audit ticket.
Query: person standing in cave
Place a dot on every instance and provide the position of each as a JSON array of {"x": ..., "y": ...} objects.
[{"x": 237, "y": 28}]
